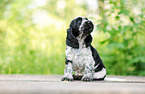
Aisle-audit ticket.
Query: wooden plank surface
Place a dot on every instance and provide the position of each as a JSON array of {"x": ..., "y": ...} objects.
[{"x": 51, "y": 84}]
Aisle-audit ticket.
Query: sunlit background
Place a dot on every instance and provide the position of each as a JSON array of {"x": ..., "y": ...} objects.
[{"x": 33, "y": 32}]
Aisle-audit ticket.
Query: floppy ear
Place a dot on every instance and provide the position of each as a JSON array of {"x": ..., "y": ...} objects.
[
  {"x": 71, "y": 38},
  {"x": 72, "y": 24},
  {"x": 73, "y": 28},
  {"x": 88, "y": 40}
]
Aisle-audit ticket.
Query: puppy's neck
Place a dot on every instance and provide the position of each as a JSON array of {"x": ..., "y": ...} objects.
[{"x": 81, "y": 39}]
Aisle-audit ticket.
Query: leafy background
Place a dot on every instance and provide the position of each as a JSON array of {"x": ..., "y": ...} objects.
[{"x": 32, "y": 34}]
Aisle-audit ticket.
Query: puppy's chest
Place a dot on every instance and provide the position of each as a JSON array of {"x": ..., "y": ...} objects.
[{"x": 80, "y": 57}]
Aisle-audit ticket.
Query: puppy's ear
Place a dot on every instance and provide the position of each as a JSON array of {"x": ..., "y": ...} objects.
[
  {"x": 88, "y": 40},
  {"x": 71, "y": 39},
  {"x": 72, "y": 24}
]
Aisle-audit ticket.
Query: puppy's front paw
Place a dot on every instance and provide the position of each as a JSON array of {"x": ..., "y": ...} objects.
[
  {"x": 66, "y": 79},
  {"x": 86, "y": 79}
]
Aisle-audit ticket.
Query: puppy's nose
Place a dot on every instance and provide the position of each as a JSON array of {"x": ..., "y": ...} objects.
[{"x": 88, "y": 22}]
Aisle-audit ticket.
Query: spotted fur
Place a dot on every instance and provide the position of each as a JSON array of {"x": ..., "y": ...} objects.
[{"x": 81, "y": 58}]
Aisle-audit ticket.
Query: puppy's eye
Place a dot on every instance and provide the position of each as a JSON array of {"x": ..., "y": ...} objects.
[{"x": 79, "y": 21}]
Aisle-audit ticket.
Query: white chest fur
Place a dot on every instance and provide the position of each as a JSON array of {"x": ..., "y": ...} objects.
[{"x": 79, "y": 57}]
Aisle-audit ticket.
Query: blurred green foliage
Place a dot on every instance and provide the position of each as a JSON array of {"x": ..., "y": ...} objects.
[
  {"x": 32, "y": 35},
  {"x": 124, "y": 25}
]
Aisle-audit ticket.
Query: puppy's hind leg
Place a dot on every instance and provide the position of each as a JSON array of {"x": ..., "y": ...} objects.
[{"x": 100, "y": 75}]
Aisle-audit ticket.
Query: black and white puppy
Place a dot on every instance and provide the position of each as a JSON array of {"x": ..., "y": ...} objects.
[{"x": 82, "y": 60}]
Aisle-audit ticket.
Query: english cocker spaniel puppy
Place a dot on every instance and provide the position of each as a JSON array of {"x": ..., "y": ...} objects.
[{"x": 82, "y": 60}]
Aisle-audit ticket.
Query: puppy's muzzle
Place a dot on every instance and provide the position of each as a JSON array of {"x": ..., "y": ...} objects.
[
  {"x": 86, "y": 27},
  {"x": 88, "y": 24}
]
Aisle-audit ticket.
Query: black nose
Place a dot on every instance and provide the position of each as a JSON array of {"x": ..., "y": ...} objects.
[{"x": 88, "y": 23}]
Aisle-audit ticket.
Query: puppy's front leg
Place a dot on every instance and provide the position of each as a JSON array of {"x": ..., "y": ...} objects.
[
  {"x": 68, "y": 72},
  {"x": 88, "y": 76}
]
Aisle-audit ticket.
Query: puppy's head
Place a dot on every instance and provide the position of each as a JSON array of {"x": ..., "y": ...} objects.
[{"x": 81, "y": 25}]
